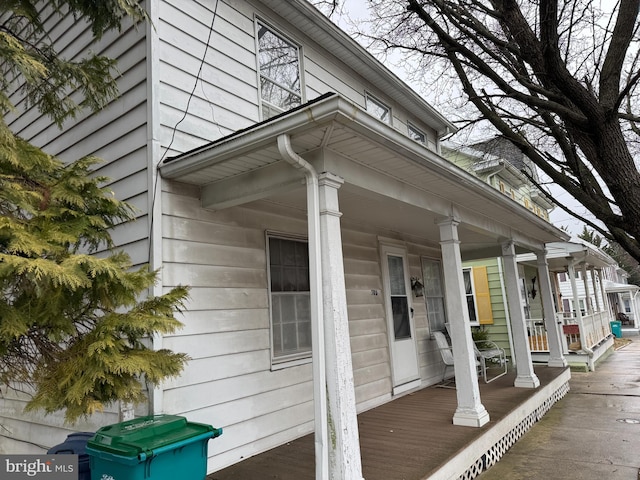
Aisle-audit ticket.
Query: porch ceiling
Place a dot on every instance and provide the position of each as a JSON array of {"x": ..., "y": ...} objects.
[{"x": 390, "y": 180}]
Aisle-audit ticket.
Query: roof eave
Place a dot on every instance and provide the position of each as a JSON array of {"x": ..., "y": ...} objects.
[{"x": 342, "y": 45}]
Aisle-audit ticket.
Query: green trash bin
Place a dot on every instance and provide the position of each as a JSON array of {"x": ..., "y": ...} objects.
[
  {"x": 616, "y": 328},
  {"x": 158, "y": 447}
]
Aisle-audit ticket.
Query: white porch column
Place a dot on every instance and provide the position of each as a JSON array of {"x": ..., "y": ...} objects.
[
  {"x": 470, "y": 411},
  {"x": 571, "y": 270},
  {"x": 605, "y": 298},
  {"x": 584, "y": 338},
  {"x": 556, "y": 358},
  {"x": 587, "y": 293},
  {"x": 636, "y": 310},
  {"x": 595, "y": 288},
  {"x": 344, "y": 442},
  {"x": 525, "y": 377}
]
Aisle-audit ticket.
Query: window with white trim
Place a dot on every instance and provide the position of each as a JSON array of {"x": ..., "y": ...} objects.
[
  {"x": 434, "y": 294},
  {"x": 279, "y": 66},
  {"x": 478, "y": 293},
  {"x": 469, "y": 293},
  {"x": 416, "y": 134},
  {"x": 289, "y": 295},
  {"x": 378, "y": 109}
]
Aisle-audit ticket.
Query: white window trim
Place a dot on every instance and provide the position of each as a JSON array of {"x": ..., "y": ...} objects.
[
  {"x": 260, "y": 21},
  {"x": 368, "y": 97},
  {"x": 444, "y": 297},
  {"x": 411, "y": 126},
  {"x": 285, "y": 361},
  {"x": 473, "y": 294}
]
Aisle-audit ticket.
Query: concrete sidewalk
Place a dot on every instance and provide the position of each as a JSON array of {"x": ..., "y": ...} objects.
[{"x": 591, "y": 434}]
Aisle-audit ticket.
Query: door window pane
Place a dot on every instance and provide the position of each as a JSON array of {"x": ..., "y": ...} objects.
[
  {"x": 396, "y": 276},
  {"x": 400, "y": 311},
  {"x": 399, "y": 301}
]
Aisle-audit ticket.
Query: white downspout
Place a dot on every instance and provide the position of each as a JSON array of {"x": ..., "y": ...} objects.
[{"x": 317, "y": 315}]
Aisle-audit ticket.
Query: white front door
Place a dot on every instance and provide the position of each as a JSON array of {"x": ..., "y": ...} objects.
[{"x": 402, "y": 344}]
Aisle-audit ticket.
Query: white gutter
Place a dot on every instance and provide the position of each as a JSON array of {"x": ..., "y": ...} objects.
[{"x": 317, "y": 314}]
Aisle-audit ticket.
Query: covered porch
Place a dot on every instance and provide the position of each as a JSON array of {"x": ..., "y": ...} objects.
[
  {"x": 376, "y": 206},
  {"x": 413, "y": 438},
  {"x": 583, "y": 312},
  {"x": 625, "y": 304}
]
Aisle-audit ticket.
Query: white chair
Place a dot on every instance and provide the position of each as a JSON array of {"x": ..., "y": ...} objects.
[
  {"x": 490, "y": 354},
  {"x": 445, "y": 351}
]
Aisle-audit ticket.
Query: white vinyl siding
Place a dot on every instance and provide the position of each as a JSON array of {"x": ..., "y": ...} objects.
[
  {"x": 227, "y": 325},
  {"x": 225, "y": 96}
]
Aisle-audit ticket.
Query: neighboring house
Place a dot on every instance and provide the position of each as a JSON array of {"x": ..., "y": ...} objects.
[
  {"x": 583, "y": 310},
  {"x": 500, "y": 164},
  {"x": 623, "y": 299},
  {"x": 298, "y": 195}
]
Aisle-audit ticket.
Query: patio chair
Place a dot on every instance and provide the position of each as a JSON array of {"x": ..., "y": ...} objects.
[
  {"x": 446, "y": 352},
  {"x": 623, "y": 318},
  {"x": 490, "y": 354}
]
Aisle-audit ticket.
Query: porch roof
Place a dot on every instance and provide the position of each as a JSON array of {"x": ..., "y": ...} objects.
[
  {"x": 613, "y": 287},
  {"x": 390, "y": 179},
  {"x": 560, "y": 254}
]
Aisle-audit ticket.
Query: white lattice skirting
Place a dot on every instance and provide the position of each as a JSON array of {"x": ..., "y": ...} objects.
[
  {"x": 495, "y": 453},
  {"x": 489, "y": 449}
]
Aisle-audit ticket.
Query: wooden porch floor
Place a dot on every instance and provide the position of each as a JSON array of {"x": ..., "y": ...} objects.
[{"x": 409, "y": 438}]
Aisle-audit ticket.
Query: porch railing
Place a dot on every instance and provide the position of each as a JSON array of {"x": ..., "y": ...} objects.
[{"x": 584, "y": 335}]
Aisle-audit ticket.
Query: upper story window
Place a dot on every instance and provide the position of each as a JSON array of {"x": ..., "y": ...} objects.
[
  {"x": 378, "y": 109},
  {"x": 279, "y": 63},
  {"x": 416, "y": 134},
  {"x": 289, "y": 292}
]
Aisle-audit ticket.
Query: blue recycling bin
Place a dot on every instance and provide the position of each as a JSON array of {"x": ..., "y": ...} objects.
[
  {"x": 616, "y": 328},
  {"x": 76, "y": 444}
]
